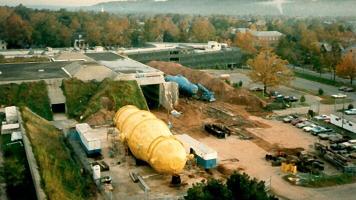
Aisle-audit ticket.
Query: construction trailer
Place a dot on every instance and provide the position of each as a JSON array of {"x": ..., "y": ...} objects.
[
  {"x": 9, "y": 128},
  {"x": 11, "y": 115},
  {"x": 90, "y": 139},
  {"x": 205, "y": 156}
]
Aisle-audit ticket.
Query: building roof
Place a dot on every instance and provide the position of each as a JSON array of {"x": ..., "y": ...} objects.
[
  {"x": 32, "y": 71},
  {"x": 266, "y": 33},
  {"x": 120, "y": 64}
]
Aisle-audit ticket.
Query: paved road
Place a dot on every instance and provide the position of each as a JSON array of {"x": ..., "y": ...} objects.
[
  {"x": 237, "y": 75},
  {"x": 326, "y": 75}
]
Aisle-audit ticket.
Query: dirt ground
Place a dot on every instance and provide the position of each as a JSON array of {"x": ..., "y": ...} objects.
[{"x": 248, "y": 155}]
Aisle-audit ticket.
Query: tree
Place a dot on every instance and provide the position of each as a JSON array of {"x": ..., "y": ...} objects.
[
  {"x": 238, "y": 187},
  {"x": 213, "y": 190},
  {"x": 244, "y": 188},
  {"x": 17, "y": 31},
  {"x": 267, "y": 68},
  {"x": 202, "y": 30},
  {"x": 332, "y": 58},
  {"x": 246, "y": 42},
  {"x": 347, "y": 67}
]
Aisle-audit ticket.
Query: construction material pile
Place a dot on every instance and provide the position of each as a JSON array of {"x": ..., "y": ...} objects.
[{"x": 221, "y": 89}]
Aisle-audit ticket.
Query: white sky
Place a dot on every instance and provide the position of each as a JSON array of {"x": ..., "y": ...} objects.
[{"x": 68, "y": 3}]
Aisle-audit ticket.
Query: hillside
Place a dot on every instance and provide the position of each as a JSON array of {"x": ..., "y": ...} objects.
[
  {"x": 96, "y": 102},
  {"x": 61, "y": 174}
]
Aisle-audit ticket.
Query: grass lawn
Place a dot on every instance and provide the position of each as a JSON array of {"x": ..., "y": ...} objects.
[
  {"x": 322, "y": 180},
  {"x": 31, "y": 94}
]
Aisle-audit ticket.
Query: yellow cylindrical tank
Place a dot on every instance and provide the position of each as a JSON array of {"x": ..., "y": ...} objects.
[{"x": 150, "y": 139}]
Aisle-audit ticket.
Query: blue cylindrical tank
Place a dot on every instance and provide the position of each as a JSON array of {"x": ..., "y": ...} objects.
[{"x": 185, "y": 86}]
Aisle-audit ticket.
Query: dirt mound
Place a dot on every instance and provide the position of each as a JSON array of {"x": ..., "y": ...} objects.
[
  {"x": 222, "y": 90},
  {"x": 101, "y": 117}
]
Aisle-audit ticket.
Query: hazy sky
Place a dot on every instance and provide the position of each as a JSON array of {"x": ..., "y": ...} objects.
[{"x": 51, "y": 2}]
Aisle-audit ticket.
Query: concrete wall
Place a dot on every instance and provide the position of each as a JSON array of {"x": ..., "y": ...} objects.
[
  {"x": 41, "y": 195},
  {"x": 169, "y": 95}
]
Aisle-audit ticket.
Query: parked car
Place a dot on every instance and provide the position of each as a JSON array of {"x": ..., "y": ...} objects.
[
  {"x": 322, "y": 117},
  {"x": 297, "y": 121},
  {"x": 256, "y": 89},
  {"x": 351, "y": 111},
  {"x": 289, "y": 118},
  {"x": 324, "y": 136},
  {"x": 339, "y": 96},
  {"x": 346, "y": 89},
  {"x": 337, "y": 146},
  {"x": 319, "y": 129},
  {"x": 303, "y": 124},
  {"x": 309, "y": 127},
  {"x": 291, "y": 98},
  {"x": 274, "y": 93}
]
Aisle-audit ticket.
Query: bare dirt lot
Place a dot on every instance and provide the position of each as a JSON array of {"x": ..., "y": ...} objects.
[{"x": 248, "y": 155}]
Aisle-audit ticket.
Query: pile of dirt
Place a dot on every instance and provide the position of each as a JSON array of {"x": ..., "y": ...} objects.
[
  {"x": 222, "y": 90},
  {"x": 102, "y": 117}
]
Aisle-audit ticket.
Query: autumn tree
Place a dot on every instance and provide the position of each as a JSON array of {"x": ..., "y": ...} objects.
[
  {"x": 202, "y": 30},
  {"x": 17, "y": 31},
  {"x": 267, "y": 68},
  {"x": 347, "y": 67},
  {"x": 246, "y": 42}
]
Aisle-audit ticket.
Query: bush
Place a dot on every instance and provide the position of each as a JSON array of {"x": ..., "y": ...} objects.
[
  {"x": 320, "y": 91},
  {"x": 240, "y": 83},
  {"x": 228, "y": 81},
  {"x": 276, "y": 106},
  {"x": 238, "y": 186},
  {"x": 302, "y": 99},
  {"x": 350, "y": 106}
]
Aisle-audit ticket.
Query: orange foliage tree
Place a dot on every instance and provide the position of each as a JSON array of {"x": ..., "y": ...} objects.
[
  {"x": 267, "y": 68},
  {"x": 246, "y": 42},
  {"x": 347, "y": 67}
]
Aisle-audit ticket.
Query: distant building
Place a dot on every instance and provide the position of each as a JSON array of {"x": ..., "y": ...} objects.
[
  {"x": 267, "y": 36},
  {"x": 271, "y": 37},
  {"x": 3, "y": 45},
  {"x": 194, "y": 55}
]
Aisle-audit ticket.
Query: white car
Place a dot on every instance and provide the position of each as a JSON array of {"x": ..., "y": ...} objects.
[
  {"x": 322, "y": 117},
  {"x": 309, "y": 127},
  {"x": 339, "y": 96},
  {"x": 351, "y": 111},
  {"x": 303, "y": 124}
]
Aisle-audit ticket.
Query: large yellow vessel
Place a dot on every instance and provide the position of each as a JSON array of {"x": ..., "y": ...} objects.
[{"x": 150, "y": 139}]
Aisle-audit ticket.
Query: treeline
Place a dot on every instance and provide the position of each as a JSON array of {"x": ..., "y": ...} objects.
[
  {"x": 23, "y": 27},
  {"x": 314, "y": 42}
]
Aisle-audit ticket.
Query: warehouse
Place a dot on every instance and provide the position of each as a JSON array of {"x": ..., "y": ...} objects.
[{"x": 195, "y": 55}]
